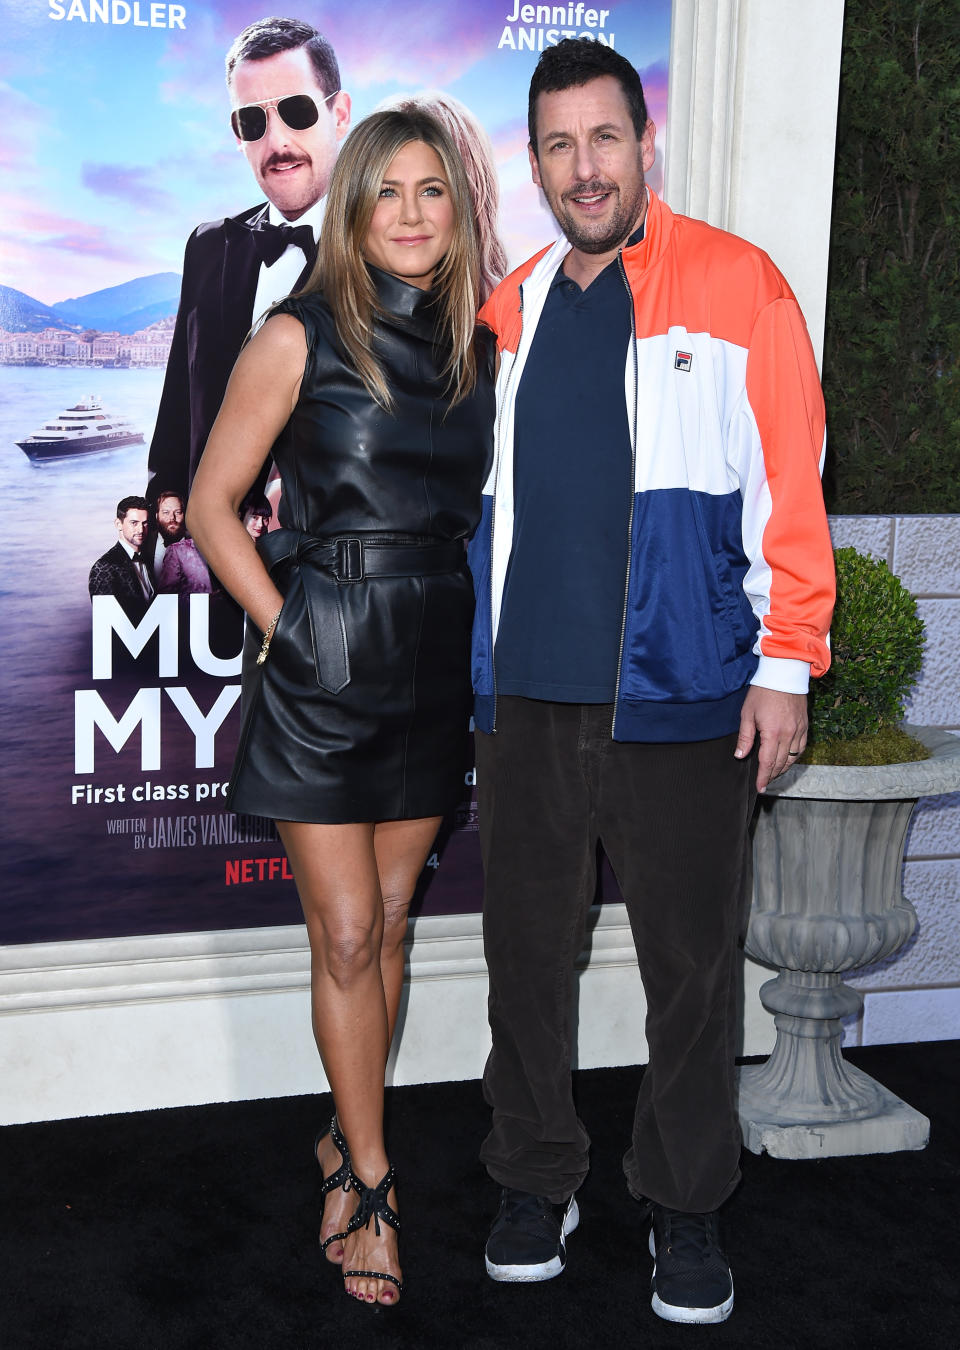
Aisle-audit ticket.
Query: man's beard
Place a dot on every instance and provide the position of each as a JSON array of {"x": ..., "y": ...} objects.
[
  {"x": 615, "y": 229},
  {"x": 171, "y": 536}
]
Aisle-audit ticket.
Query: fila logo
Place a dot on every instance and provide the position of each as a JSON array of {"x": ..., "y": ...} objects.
[{"x": 683, "y": 361}]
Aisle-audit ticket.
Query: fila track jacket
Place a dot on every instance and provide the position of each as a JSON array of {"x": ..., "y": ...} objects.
[{"x": 730, "y": 573}]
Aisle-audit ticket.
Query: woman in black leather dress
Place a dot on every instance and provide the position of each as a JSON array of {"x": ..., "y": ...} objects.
[{"x": 374, "y": 391}]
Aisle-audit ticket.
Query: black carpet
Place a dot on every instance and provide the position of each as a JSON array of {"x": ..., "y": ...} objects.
[{"x": 197, "y": 1227}]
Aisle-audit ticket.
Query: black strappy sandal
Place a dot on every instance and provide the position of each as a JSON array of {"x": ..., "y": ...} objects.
[
  {"x": 341, "y": 1177},
  {"x": 373, "y": 1205}
]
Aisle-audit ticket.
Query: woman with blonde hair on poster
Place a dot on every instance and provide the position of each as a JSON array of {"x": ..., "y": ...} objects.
[{"x": 373, "y": 389}]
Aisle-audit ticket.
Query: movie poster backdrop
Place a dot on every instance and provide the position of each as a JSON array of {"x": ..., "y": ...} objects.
[{"x": 117, "y": 734}]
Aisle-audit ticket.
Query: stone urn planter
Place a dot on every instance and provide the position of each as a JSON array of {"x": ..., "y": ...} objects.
[{"x": 828, "y": 852}]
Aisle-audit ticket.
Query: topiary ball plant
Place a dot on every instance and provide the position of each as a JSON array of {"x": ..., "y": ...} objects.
[{"x": 876, "y": 651}]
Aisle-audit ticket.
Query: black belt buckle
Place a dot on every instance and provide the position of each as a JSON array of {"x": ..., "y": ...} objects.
[{"x": 349, "y": 565}]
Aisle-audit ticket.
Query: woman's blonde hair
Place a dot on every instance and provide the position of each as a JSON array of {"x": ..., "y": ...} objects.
[
  {"x": 341, "y": 271},
  {"x": 476, "y": 151}
]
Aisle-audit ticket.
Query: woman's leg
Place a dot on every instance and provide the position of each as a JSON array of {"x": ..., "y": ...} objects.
[
  {"x": 343, "y": 873},
  {"x": 401, "y": 847}
]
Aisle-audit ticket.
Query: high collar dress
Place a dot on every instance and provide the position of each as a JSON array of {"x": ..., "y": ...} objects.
[{"x": 360, "y": 712}]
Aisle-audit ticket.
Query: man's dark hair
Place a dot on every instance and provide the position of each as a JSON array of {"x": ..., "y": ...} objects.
[
  {"x": 576, "y": 61},
  {"x": 126, "y": 504},
  {"x": 268, "y": 37}
]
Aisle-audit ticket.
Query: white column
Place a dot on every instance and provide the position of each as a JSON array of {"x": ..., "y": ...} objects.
[{"x": 751, "y": 129}]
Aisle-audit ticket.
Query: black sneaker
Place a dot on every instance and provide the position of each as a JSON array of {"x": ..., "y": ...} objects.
[
  {"x": 527, "y": 1240},
  {"x": 691, "y": 1279}
]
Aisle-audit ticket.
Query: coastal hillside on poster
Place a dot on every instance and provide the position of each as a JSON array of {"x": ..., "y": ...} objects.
[{"x": 118, "y": 725}]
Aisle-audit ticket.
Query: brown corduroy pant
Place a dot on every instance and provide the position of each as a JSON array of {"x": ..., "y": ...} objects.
[{"x": 673, "y": 820}]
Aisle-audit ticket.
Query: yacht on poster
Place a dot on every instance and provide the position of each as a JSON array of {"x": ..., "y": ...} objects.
[{"x": 83, "y": 429}]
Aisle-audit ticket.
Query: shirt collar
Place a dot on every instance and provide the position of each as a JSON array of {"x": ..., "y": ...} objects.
[
  {"x": 559, "y": 276},
  {"x": 313, "y": 217}
]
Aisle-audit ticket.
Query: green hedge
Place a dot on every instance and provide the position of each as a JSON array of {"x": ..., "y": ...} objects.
[{"x": 892, "y": 340}]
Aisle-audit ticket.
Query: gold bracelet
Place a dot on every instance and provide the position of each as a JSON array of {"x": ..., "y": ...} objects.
[{"x": 267, "y": 635}]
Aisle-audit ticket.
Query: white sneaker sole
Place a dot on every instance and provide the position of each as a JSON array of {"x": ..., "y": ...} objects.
[
  {"x": 546, "y": 1270},
  {"x": 672, "y": 1312}
]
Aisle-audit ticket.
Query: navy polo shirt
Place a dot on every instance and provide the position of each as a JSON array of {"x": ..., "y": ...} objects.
[{"x": 562, "y": 609}]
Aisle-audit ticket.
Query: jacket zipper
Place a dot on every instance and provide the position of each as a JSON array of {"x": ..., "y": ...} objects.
[
  {"x": 633, "y": 479},
  {"x": 493, "y": 517}
]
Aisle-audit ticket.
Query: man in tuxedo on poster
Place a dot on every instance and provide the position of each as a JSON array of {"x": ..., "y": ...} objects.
[
  {"x": 123, "y": 571},
  {"x": 288, "y": 116}
]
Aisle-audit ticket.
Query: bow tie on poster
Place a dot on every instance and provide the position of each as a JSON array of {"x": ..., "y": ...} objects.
[
  {"x": 272, "y": 241},
  {"x": 146, "y": 581}
]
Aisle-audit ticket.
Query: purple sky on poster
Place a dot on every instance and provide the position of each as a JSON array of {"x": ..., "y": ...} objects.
[
  {"x": 117, "y": 143},
  {"x": 117, "y": 139}
]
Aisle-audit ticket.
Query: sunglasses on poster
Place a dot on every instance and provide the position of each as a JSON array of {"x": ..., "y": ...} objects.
[{"x": 297, "y": 111}]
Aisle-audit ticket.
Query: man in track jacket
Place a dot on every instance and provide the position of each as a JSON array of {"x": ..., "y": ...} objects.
[{"x": 654, "y": 589}]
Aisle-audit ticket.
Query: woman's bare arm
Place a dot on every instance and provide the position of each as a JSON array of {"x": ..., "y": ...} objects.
[{"x": 260, "y": 397}]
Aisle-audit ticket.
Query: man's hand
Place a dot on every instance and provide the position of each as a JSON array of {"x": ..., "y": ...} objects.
[{"x": 781, "y": 720}]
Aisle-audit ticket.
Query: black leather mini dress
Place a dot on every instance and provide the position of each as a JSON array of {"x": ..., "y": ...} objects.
[{"x": 360, "y": 711}]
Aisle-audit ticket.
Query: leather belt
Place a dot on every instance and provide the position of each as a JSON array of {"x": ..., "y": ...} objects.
[{"x": 324, "y": 565}]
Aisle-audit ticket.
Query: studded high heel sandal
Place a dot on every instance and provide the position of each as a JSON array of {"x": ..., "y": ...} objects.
[
  {"x": 341, "y": 1177},
  {"x": 373, "y": 1205}
]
